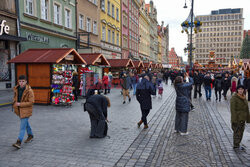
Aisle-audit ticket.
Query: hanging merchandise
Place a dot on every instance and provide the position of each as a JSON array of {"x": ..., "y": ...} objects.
[{"x": 62, "y": 92}]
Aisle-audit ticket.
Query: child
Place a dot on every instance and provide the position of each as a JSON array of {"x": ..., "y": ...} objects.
[
  {"x": 160, "y": 88},
  {"x": 233, "y": 85}
]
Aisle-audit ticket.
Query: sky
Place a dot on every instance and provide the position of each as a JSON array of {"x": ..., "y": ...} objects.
[{"x": 173, "y": 13}]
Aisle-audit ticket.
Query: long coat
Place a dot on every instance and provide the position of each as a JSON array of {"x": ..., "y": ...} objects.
[
  {"x": 239, "y": 109},
  {"x": 183, "y": 96},
  {"x": 26, "y": 103},
  {"x": 144, "y": 91}
]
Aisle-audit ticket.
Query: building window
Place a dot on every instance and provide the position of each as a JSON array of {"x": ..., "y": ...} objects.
[
  {"x": 117, "y": 39},
  {"x": 29, "y": 7},
  {"x": 109, "y": 36},
  {"x": 113, "y": 11},
  {"x": 81, "y": 21},
  {"x": 103, "y": 33},
  {"x": 45, "y": 9},
  {"x": 57, "y": 14},
  {"x": 103, "y": 5},
  {"x": 117, "y": 14},
  {"x": 113, "y": 37},
  {"x": 95, "y": 2},
  {"x": 109, "y": 7},
  {"x": 88, "y": 25},
  {"x": 95, "y": 27},
  {"x": 67, "y": 18}
]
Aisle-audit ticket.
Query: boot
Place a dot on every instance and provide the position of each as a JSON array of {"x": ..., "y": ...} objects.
[
  {"x": 145, "y": 127},
  {"x": 17, "y": 144},
  {"x": 30, "y": 137},
  {"x": 139, "y": 123}
]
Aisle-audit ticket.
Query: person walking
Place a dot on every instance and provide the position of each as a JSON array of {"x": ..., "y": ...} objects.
[
  {"x": 183, "y": 103},
  {"x": 240, "y": 80},
  {"x": 207, "y": 86},
  {"x": 75, "y": 85},
  {"x": 197, "y": 84},
  {"x": 239, "y": 116},
  {"x": 23, "y": 105},
  {"x": 166, "y": 75},
  {"x": 218, "y": 86},
  {"x": 134, "y": 80},
  {"x": 226, "y": 85},
  {"x": 143, "y": 95},
  {"x": 126, "y": 84},
  {"x": 160, "y": 88},
  {"x": 110, "y": 81},
  {"x": 96, "y": 106},
  {"x": 105, "y": 81}
]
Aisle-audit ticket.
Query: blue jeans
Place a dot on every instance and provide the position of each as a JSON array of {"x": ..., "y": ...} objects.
[
  {"x": 24, "y": 125},
  {"x": 134, "y": 88},
  {"x": 208, "y": 91}
]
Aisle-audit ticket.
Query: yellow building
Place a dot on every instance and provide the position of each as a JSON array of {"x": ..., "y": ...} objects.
[
  {"x": 110, "y": 22},
  {"x": 159, "y": 60},
  {"x": 144, "y": 31}
]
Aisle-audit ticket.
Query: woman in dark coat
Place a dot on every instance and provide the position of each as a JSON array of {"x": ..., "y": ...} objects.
[
  {"x": 183, "y": 104},
  {"x": 218, "y": 86},
  {"x": 239, "y": 115},
  {"x": 97, "y": 105},
  {"x": 143, "y": 95},
  {"x": 75, "y": 84}
]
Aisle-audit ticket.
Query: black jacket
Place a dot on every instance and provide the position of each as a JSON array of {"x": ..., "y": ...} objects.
[
  {"x": 226, "y": 82},
  {"x": 144, "y": 91},
  {"x": 218, "y": 83},
  {"x": 207, "y": 81},
  {"x": 198, "y": 78},
  {"x": 100, "y": 103}
]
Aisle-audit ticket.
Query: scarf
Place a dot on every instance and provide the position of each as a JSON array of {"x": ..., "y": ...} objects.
[{"x": 242, "y": 96}]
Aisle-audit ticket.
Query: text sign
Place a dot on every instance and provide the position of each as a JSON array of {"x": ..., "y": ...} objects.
[{"x": 4, "y": 28}]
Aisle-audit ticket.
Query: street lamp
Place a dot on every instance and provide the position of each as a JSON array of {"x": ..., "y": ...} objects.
[{"x": 189, "y": 23}]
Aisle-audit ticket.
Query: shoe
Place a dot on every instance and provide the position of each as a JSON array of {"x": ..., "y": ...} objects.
[
  {"x": 219, "y": 100},
  {"x": 129, "y": 99},
  {"x": 200, "y": 95},
  {"x": 193, "y": 109},
  {"x": 17, "y": 144},
  {"x": 139, "y": 123},
  {"x": 240, "y": 148},
  {"x": 145, "y": 127},
  {"x": 184, "y": 134},
  {"x": 124, "y": 102},
  {"x": 176, "y": 131},
  {"x": 216, "y": 99},
  {"x": 29, "y": 139}
]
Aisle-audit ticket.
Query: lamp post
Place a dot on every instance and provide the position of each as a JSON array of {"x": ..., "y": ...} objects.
[{"x": 191, "y": 35}]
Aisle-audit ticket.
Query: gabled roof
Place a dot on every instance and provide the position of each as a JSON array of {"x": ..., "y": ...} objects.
[
  {"x": 48, "y": 55},
  {"x": 147, "y": 65},
  {"x": 138, "y": 64},
  {"x": 121, "y": 63},
  {"x": 95, "y": 59}
]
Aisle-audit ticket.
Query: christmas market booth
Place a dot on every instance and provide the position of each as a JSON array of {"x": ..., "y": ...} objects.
[
  {"x": 90, "y": 74},
  {"x": 148, "y": 65},
  {"x": 49, "y": 73},
  {"x": 117, "y": 66},
  {"x": 138, "y": 66}
]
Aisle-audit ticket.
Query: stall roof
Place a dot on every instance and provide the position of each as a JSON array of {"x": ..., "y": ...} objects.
[
  {"x": 121, "y": 63},
  {"x": 48, "y": 55},
  {"x": 92, "y": 58},
  {"x": 147, "y": 65},
  {"x": 138, "y": 63}
]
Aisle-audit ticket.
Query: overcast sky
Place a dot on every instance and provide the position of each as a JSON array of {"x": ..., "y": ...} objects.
[{"x": 173, "y": 13}]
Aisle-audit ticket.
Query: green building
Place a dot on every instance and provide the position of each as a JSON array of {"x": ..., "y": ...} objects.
[{"x": 48, "y": 23}]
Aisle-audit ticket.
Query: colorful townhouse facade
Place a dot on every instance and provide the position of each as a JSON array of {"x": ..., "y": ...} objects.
[
  {"x": 88, "y": 26},
  {"x": 163, "y": 42},
  {"x": 110, "y": 28},
  {"x": 130, "y": 28},
  {"x": 144, "y": 33},
  {"x": 48, "y": 23},
  {"x": 9, "y": 42},
  {"x": 173, "y": 58}
]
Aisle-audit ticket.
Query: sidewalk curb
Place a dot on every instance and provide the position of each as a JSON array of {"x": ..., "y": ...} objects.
[{"x": 5, "y": 104}]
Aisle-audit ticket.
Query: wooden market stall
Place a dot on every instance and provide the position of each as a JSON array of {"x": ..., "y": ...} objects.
[
  {"x": 147, "y": 65},
  {"x": 49, "y": 73},
  {"x": 96, "y": 63},
  {"x": 117, "y": 66},
  {"x": 138, "y": 66}
]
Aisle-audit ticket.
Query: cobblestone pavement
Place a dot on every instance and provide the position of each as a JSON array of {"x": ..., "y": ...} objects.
[
  {"x": 208, "y": 144},
  {"x": 62, "y": 135}
]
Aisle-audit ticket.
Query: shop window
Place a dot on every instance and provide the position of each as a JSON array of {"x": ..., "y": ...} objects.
[
  {"x": 68, "y": 18},
  {"x": 57, "y": 14},
  {"x": 81, "y": 21},
  {"x": 4, "y": 58},
  {"x": 29, "y": 7},
  {"x": 45, "y": 9}
]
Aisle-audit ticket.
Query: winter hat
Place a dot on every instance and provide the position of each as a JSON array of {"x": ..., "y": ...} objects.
[{"x": 240, "y": 86}]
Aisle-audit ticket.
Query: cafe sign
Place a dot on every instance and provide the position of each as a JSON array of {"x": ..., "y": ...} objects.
[{"x": 4, "y": 28}]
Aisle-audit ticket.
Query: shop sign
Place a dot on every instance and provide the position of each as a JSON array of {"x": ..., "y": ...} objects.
[
  {"x": 37, "y": 38},
  {"x": 69, "y": 57},
  {"x": 4, "y": 28}
]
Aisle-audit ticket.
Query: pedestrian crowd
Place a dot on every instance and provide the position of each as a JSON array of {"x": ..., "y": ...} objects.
[{"x": 145, "y": 86}]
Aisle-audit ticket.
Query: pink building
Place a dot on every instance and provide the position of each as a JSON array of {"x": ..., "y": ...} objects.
[{"x": 130, "y": 28}]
